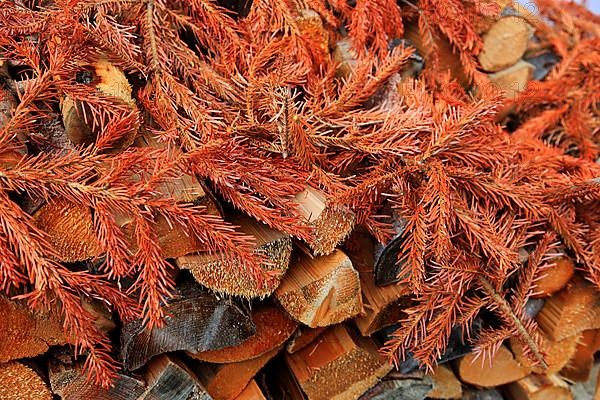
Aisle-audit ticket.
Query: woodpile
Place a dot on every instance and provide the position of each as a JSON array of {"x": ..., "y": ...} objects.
[{"x": 327, "y": 303}]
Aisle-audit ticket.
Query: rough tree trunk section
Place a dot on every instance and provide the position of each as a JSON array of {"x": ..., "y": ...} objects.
[
  {"x": 273, "y": 328},
  {"x": 25, "y": 333},
  {"x": 19, "y": 382},
  {"x": 539, "y": 387},
  {"x": 197, "y": 321},
  {"x": 169, "y": 379},
  {"x": 70, "y": 229},
  {"x": 321, "y": 291},
  {"x": 445, "y": 384},
  {"x": 572, "y": 310},
  {"x": 504, "y": 43},
  {"x": 211, "y": 271},
  {"x": 331, "y": 225},
  {"x": 227, "y": 381},
  {"x": 338, "y": 365},
  {"x": 502, "y": 369}
]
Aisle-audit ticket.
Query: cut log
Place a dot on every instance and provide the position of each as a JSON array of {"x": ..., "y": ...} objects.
[
  {"x": 556, "y": 353},
  {"x": 19, "y": 382},
  {"x": 513, "y": 80},
  {"x": 70, "y": 383},
  {"x": 339, "y": 365},
  {"x": 227, "y": 381},
  {"x": 169, "y": 379},
  {"x": 303, "y": 337},
  {"x": 251, "y": 392},
  {"x": 539, "y": 387},
  {"x": 110, "y": 81},
  {"x": 330, "y": 225},
  {"x": 321, "y": 291},
  {"x": 502, "y": 369},
  {"x": 211, "y": 271},
  {"x": 445, "y": 384},
  {"x": 25, "y": 333},
  {"x": 197, "y": 321},
  {"x": 273, "y": 328},
  {"x": 504, "y": 43},
  {"x": 570, "y": 311},
  {"x": 396, "y": 389},
  {"x": 580, "y": 365},
  {"x": 70, "y": 229},
  {"x": 553, "y": 279}
]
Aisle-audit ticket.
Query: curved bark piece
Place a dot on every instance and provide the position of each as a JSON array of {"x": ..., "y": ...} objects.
[{"x": 197, "y": 321}]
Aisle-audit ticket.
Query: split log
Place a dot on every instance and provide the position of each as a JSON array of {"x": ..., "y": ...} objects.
[
  {"x": 227, "y": 381},
  {"x": 395, "y": 389},
  {"x": 213, "y": 272},
  {"x": 554, "y": 278},
  {"x": 572, "y": 310},
  {"x": 25, "y": 333},
  {"x": 330, "y": 225},
  {"x": 303, "y": 337},
  {"x": 110, "y": 81},
  {"x": 19, "y": 382},
  {"x": 539, "y": 387},
  {"x": 169, "y": 379},
  {"x": 321, "y": 291},
  {"x": 513, "y": 80},
  {"x": 445, "y": 384},
  {"x": 273, "y": 328},
  {"x": 504, "y": 43},
  {"x": 502, "y": 369},
  {"x": 196, "y": 321},
  {"x": 251, "y": 392},
  {"x": 339, "y": 365},
  {"x": 580, "y": 365},
  {"x": 70, "y": 383},
  {"x": 556, "y": 353},
  {"x": 70, "y": 229}
]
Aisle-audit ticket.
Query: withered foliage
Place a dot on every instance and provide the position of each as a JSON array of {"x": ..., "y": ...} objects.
[{"x": 251, "y": 96}]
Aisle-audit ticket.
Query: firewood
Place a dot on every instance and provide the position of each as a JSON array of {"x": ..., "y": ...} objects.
[
  {"x": 69, "y": 228},
  {"x": 211, "y": 271},
  {"x": 227, "y": 381},
  {"x": 303, "y": 337},
  {"x": 197, "y": 321},
  {"x": 445, "y": 384},
  {"x": 70, "y": 383},
  {"x": 481, "y": 394},
  {"x": 556, "y": 353},
  {"x": 513, "y": 80},
  {"x": 110, "y": 81},
  {"x": 251, "y": 392},
  {"x": 580, "y": 365},
  {"x": 502, "y": 369},
  {"x": 281, "y": 383},
  {"x": 570, "y": 311},
  {"x": 339, "y": 365},
  {"x": 273, "y": 328},
  {"x": 346, "y": 58},
  {"x": 104, "y": 320},
  {"x": 27, "y": 334},
  {"x": 386, "y": 268},
  {"x": 19, "y": 382},
  {"x": 553, "y": 279},
  {"x": 311, "y": 27},
  {"x": 504, "y": 43},
  {"x": 539, "y": 387},
  {"x": 330, "y": 225},
  {"x": 404, "y": 388},
  {"x": 169, "y": 379},
  {"x": 321, "y": 291}
]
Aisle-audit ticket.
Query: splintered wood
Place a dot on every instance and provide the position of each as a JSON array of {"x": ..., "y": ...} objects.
[
  {"x": 321, "y": 291},
  {"x": 337, "y": 366},
  {"x": 211, "y": 271}
]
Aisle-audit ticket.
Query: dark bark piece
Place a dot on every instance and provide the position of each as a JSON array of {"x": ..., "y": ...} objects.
[
  {"x": 19, "y": 382},
  {"x": 387, "y": 268},
  {"x": 70, "y": 383},
  {"x": 167, "y": 378},
  {"x": 482, "y": 394},
  {"x": 273, "y": 328},
  {"x": 445, "y": 384},
  {"x": 543, "y": 63},
  {"x": 25, "y": 333},
  {"x": 399, "y": 389},
  {"x": 197, "y": 321}
]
